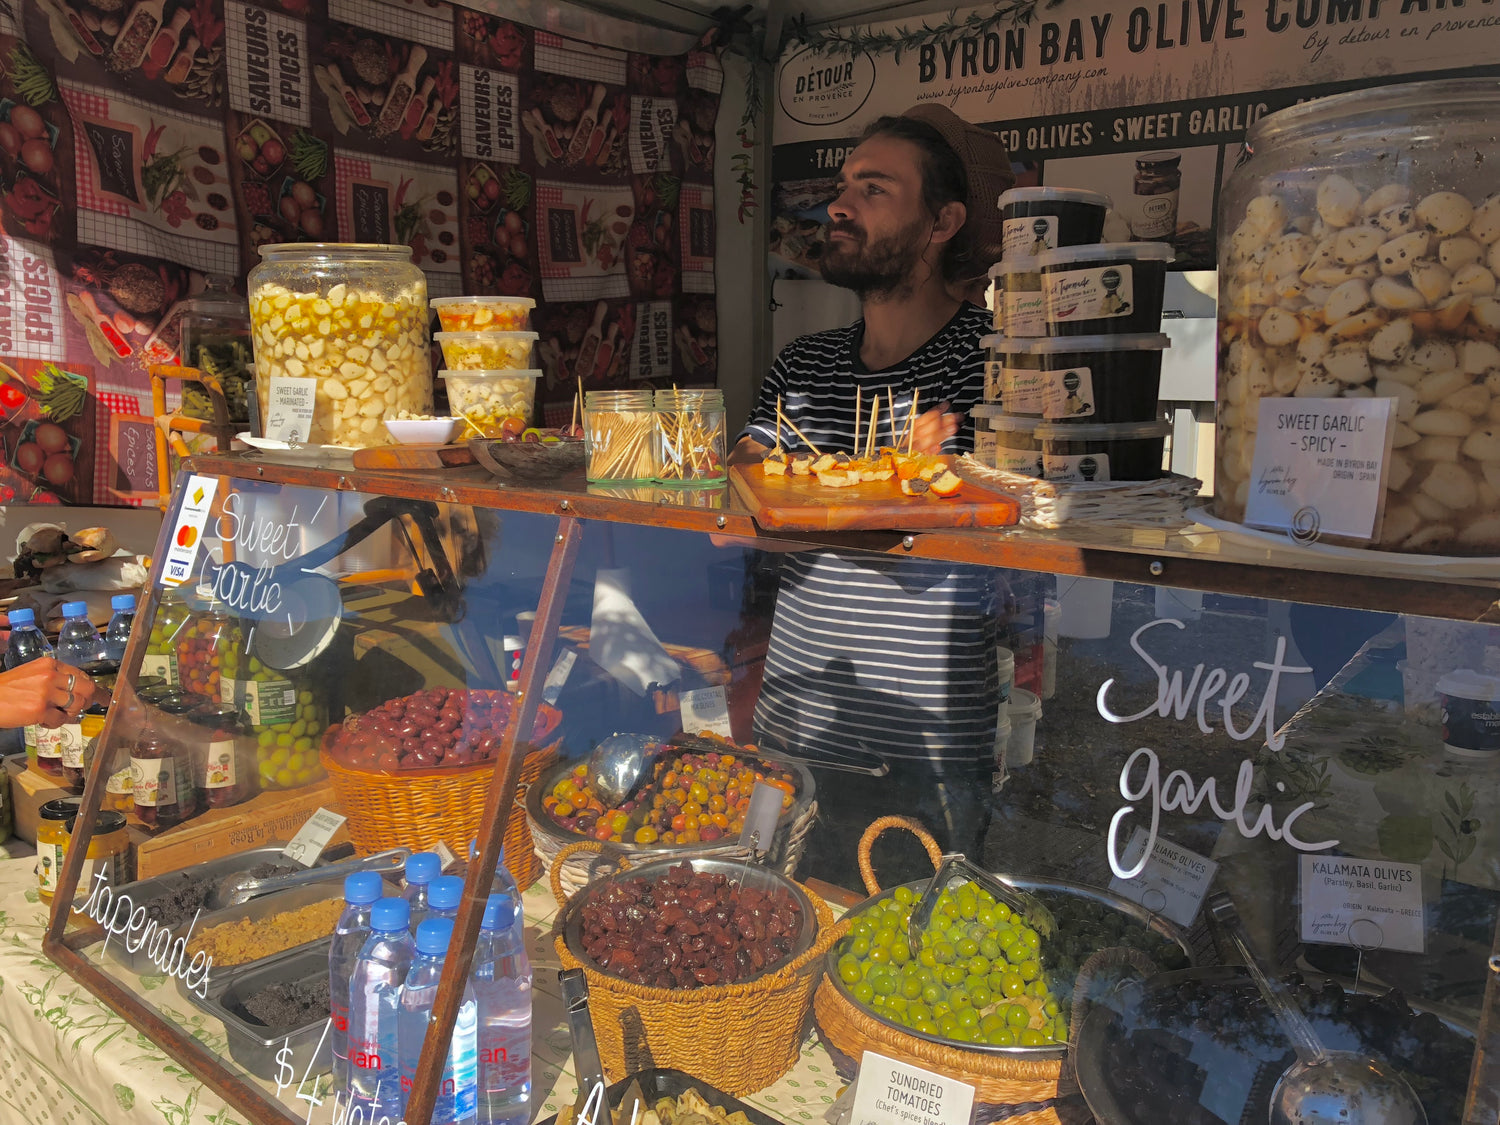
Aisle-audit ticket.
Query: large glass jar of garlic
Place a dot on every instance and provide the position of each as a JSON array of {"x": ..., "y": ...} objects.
[
  {"x": 1359, "y": 251},
  {"x": 351, "y": 317}
]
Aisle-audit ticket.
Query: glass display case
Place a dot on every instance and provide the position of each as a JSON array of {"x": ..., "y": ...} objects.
[{"x": 1155, "y": 739}]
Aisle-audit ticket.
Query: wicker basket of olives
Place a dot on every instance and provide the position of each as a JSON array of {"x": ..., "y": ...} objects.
[
  {"x": 984, "y": 990},
  {"x": 693, "y": 799},
  {"x": 715, "y": 960}
]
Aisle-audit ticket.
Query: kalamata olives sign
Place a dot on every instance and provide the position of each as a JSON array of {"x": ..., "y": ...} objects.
[{"x": 1141, "y": 780}]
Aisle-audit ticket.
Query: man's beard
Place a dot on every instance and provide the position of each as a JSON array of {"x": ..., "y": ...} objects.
[{"x": 874, "y": 268}]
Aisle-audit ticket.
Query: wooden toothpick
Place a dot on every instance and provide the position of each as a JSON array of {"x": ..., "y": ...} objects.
[
  {"x": 911, "y": 420},
  {"x": 855, "y": 446}
]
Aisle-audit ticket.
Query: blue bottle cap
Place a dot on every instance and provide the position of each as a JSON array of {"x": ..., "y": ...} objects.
[
  {"x": 20, "y": 617},
  {"x": 390, "y": 914},
  {"x": 123, "y": 601},
  {"x": 362, "y": 887},
  {"x": 75, "y": 609},
  {"x": 499, "y": 912},
  {"x": 423, "y": 867},
  {"x": 433, "y": 935},
  {"x": 444, "y": 892}
]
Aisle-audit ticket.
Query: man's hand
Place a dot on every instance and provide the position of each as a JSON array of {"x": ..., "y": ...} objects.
[
  {"x": 43, "y": 691},
  {"x": 748, "y": 451},
  {"x": 934, "y": 427}
]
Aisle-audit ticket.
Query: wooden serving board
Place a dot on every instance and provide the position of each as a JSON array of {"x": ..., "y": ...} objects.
[
  {"x": 792, "y": 503},
  {"x": 413, "y": 457}
]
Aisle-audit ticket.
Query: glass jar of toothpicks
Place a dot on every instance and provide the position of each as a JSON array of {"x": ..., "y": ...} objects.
[
  {"x": 690, "y": 436},
  {"x": 619, "y": 434}
]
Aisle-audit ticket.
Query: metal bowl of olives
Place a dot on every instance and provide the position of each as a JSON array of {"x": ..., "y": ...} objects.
[
  {"x": 1086, "y": 918},
  {"x": 649, "y": 943}
]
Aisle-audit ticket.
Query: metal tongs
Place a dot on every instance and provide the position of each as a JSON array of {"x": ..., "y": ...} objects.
[
  {"x": 957, "y": 868},
  {"x": 587, "y": 1068},
  {"x": 237, "y": 889}
]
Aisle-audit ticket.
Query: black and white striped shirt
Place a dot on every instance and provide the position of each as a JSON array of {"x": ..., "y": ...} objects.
[{"x": 891, "y": 656}]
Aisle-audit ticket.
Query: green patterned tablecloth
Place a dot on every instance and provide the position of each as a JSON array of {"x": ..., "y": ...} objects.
[{"x": 66, "y": 1059}]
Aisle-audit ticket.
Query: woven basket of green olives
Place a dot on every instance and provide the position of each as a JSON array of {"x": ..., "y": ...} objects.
[{"x": 985, "y": 976}]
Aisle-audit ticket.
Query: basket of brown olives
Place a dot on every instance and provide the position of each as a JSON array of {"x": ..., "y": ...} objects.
[{"x": 713, "y": 961}]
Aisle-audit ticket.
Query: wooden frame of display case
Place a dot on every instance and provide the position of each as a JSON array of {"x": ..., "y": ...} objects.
[{"x": 1147, "y": 557}]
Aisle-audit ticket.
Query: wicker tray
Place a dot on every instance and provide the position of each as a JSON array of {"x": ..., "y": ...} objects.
[{"x": 737, "y": 1037}]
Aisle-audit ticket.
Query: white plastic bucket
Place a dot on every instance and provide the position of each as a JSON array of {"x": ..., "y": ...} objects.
[
  {"x": 1025, "y": 712},
  {"x": 1005, "y": 668}
]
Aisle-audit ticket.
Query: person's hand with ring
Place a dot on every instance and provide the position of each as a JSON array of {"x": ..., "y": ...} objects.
[{"x": 44, "y": 691}]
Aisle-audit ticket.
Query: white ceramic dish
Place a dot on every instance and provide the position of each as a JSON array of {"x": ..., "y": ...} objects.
[{"x": 423, "y": 431}]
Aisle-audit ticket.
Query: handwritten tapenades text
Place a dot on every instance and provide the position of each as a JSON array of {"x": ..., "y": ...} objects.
[{"x": 123, "y": 919}]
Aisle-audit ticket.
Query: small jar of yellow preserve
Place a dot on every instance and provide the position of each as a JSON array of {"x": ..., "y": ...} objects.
[{"x": 108, "y": 848}]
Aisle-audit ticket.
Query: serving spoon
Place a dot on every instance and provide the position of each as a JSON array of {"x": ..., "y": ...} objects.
[{"x": 1322, "y": 1087}]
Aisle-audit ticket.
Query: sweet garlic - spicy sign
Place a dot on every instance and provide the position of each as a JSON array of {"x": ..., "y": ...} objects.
[{"x": 1145, "y": 102}]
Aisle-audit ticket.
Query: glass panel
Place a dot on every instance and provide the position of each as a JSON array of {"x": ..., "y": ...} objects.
[{"x": 1327, "y": 770}]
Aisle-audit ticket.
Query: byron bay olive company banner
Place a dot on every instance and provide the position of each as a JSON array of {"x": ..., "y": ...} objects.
[
  {"x": 1147, "y": 103},
  {"x": 148, "y": 144}
]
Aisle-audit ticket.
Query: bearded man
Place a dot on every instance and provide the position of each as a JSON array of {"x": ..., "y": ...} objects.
[{"x": 893, "y": 657}]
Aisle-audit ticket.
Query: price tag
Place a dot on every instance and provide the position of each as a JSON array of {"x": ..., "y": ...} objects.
[
  {"x": 445, "y": 855},
  {"x": 706, "y": 709},
  {"x": 1368, "y": 904},
  {"x": 888, "y": 1092},
  {"x": 562, "y": 668},
  {"x": 289, "y": 409},
  {"x": 1319, "y": 466},
  {"x": 1173, "y": 882},
  {"x": 308, "y": 844},
  {"x": 187, "y": 533}
]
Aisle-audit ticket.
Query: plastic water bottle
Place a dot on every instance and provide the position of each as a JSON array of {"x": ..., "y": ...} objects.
[
  {"x": 503, "y": 882},
  {"x": 361, "y": 891},
  {"x": 78, "y": 643},
  {"x": 458, "y": 1097},
  {"x": 443, "y": 895},
  {"x": 27, "y": 643},
  {"x": 501, "y": 977},
  {"x": 421, "y": 869},
  {"x": 374, "y": 995},
  {"x": 118, "y": 632}
]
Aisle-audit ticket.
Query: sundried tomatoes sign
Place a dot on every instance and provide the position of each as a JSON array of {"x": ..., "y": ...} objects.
[{"x": 147, "y": 146}]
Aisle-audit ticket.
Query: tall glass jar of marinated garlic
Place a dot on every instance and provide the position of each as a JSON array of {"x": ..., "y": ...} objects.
[
  {"x": 352, "y": 319},
  {"x": 1359, "y": 257}
]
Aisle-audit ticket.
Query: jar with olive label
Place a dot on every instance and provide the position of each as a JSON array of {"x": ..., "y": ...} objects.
[
  {"x": 224, "y": 765},
  {"x": 1158, "y": 184},
  {"x": 108, "y": 852}
]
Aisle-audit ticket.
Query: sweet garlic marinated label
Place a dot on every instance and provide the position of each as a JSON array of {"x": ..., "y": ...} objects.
[
  {"x": 1080, "y": 468},
  {"x": 1068, "y": 394},
  {"x": 1029, "y": 236},
  {"x": 1102, "y": 293},
  {"x": 220, "y": 772},
  {"x": 1025, "y": 312}
]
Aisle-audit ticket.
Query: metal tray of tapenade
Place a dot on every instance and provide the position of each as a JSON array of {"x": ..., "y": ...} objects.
[
  {"x": 256, "y": 910},
  {"x": 569, "y": 923},
  {"x": 252, "y": 1044},
  {"x": 144, "y": 892},
  {"x": 666, "y": 1083}
]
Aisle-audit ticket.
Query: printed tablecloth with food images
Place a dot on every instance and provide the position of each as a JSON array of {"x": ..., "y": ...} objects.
[{"x": 148, "y": 146}]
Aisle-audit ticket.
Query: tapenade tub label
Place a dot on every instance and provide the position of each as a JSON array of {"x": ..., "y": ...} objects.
[
  {"x": 984, "y": 447},
  {"x": 1369, "y": 904},
  {"x": 1068, "y": 394},
  {"x": 1021, "y": 390},
  {"x": 1025, "y": 312},
  {"x": 1078, "y": 468},
  {"x": 1029, "y": 236},
  {"x": 1027, "y": 461},
  {"x": 1101, "y": 293}
]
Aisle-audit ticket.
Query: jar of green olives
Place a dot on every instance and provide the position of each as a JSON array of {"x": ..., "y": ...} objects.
[{"x": 282, "y": 714}]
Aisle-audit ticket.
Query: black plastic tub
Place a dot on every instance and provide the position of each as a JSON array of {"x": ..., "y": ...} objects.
[
  {"x": 1037, "y": 219},
  {"x": 1095, "y": 379},
  {"x": 1083, "y": 453}
]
